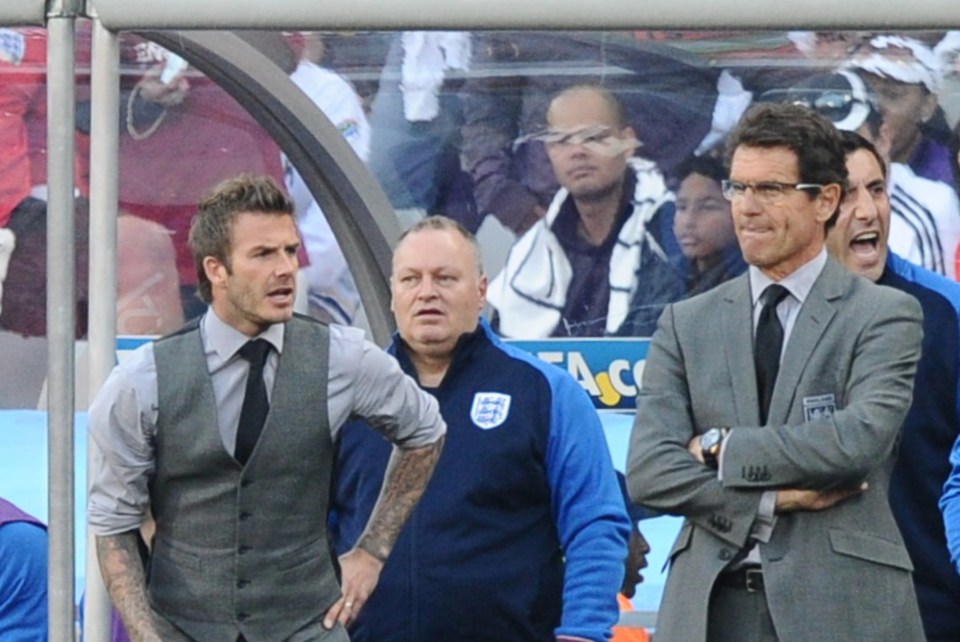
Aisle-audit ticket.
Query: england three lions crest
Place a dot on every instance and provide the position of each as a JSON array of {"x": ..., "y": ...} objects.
[
  {"x": 819, "y": 407},
  {"x": 489, "y": 409}
]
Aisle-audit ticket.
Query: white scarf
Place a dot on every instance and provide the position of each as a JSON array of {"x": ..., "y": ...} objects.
[{"x": 530, "y": 293}]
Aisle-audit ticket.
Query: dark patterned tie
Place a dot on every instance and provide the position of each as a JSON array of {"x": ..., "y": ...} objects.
[
  {"x": 768, "y": 346},
  {"x": 253, "y": 413}
]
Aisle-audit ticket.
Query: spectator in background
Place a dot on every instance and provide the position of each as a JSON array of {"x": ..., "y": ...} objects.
[
  {"x": 331, "y": 292},
  {"x": 859, "y": 242},
  {"x": 144, "y": 278},
  {"x": 23, "y": 576},
  {"x": 906, "y": 77},
  {"x": 925, "y": 222},
  {"x": 521, "y": 535},
  {"x": 948, "y": 53},
  {"x": 703, "y": 226},
  {"x": 669, "y": 104},
  {"x": 181, "y": 134},
  {"x": 23, "y": 228},
  {"x": 596, "y": 264},
  {"x": 416, "y": 117},
  {"x": 22, "y": 83}
]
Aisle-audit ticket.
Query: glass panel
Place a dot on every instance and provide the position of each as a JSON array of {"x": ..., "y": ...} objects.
[{"x": 485, "y": 128}]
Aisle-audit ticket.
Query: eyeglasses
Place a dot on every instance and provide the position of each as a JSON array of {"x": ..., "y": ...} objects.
[
  {"x": 765, "y": 191},
  {"x": 594, "y": 136}
]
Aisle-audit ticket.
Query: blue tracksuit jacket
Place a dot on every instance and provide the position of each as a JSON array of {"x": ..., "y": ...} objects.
[
  {"x": 931, "y": 426},
  {"x": 521, "y": 534}
]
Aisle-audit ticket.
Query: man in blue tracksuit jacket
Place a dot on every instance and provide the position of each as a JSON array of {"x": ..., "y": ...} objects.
[
  {"x": 521, "y": 534},
  {"x": 931, "y": 426},
  {"x": 859, "y": 242}
]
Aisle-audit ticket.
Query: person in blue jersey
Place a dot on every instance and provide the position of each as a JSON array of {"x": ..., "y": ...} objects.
[
  {"x": 859, "y": 242},
  {"x": 23, "y": 576},
  {"x": 522, "y": 534}
]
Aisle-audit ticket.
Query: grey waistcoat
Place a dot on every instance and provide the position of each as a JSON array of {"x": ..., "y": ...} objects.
[{"x": 242, "y": 549}]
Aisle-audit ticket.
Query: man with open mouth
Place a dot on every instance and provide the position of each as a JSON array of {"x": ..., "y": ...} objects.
[{"x": 859, "y": 242}]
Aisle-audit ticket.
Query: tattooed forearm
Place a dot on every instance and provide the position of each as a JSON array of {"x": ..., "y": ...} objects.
[
  {"x": 408, "y": 472},
  {"x": 122, "y": 572}
]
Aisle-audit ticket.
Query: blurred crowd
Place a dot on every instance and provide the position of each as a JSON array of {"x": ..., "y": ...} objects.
[{"x": 458, "y": 124}]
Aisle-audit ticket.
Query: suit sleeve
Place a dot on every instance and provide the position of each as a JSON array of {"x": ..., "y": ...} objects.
[
  {"x": 661, "y": 472},
  {"x": 589, "y": 513},
  {"x": 843, "y": 449}
]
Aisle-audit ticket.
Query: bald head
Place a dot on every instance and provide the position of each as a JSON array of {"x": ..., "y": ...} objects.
[
  {"x": 589, "y": 102},
  {"x": 589, "y": 144}
]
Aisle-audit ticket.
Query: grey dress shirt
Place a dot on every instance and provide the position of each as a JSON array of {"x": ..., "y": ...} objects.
[{"x": 363, "y": 382}]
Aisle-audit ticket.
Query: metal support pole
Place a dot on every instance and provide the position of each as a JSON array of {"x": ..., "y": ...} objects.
[
  {"x": 61, "y": 321},
  {"x": 104, "y": 148}
]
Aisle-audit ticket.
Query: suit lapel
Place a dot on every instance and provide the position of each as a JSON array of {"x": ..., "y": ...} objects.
[
  {"x": 737, "y": 339},
  {"x": 812, "y": 321}
]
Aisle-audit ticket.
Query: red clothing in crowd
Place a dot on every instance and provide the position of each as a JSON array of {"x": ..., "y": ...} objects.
[
  {"x": 22, "y": 81},
  {"x": 207, "y": 138}
]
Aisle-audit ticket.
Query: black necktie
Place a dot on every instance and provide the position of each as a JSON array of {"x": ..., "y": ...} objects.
[
  {"x": 255, "y": 404},
  {"x": 768, "y": 346}
]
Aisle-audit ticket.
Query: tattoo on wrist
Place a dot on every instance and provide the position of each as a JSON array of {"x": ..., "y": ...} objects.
[
  {"x": 122, "y": 571},
  {"x": 407, "y": 475}
]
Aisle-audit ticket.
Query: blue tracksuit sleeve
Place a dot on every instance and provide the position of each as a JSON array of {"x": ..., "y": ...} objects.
[
  {"x": 950, "y": 505},
  {"x": 589, "y": 513},
  {"x": 23, "y": 583}
]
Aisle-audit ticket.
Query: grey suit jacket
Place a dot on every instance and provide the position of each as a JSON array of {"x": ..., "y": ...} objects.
[{"x": 844, "y": 387}]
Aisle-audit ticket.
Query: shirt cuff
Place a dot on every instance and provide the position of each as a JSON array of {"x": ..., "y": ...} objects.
[
  {"x": 762, "y": 529},
  {"x": 723, "y": 448}
]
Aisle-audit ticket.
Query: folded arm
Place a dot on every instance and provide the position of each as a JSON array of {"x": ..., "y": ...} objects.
[
  {"x": 841, "y": 450},
  {"x": 662, "y": 474}
]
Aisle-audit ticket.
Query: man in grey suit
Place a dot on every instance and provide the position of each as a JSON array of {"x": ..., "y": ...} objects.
[{"x": 778, "y": 453}]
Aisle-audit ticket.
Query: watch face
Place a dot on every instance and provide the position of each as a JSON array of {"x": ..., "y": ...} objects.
[{"x": 710, "y": 440}]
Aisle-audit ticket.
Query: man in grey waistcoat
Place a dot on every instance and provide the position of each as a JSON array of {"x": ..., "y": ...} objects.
[{"x": 223, "y": 431}]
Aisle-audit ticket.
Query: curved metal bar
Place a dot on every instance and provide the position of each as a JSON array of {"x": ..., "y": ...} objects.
[
  {"x": 358, "y": 211},
  {"x": 23, "y": 12},
  {"x": 532, "y": 14}
]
